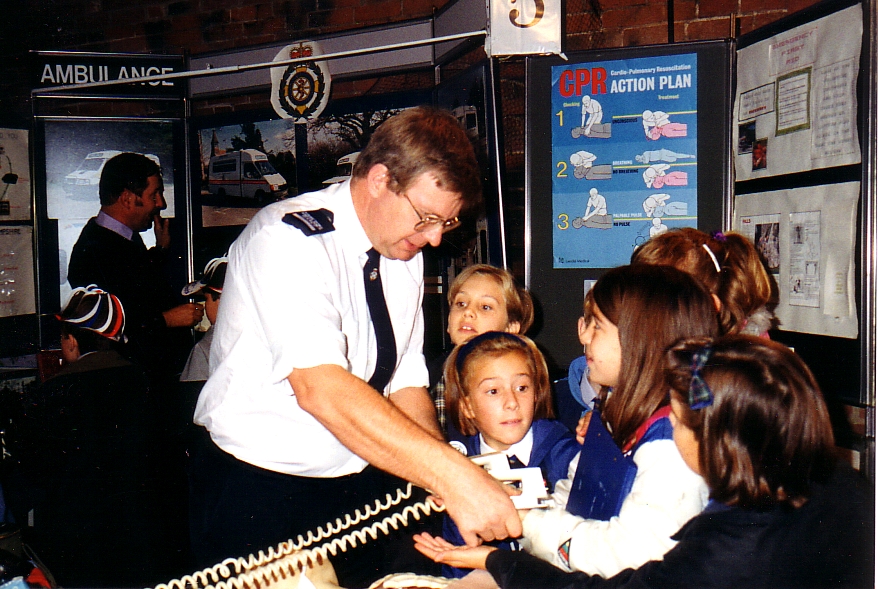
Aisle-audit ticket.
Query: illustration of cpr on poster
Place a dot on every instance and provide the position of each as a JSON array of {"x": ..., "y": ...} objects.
[{"x": 624, "y": 155}]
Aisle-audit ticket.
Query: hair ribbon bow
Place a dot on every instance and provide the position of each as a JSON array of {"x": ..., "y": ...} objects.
[{"x": 700, "y": 395}]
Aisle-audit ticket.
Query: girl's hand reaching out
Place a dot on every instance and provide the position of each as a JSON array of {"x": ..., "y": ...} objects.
[
  {"x": 582, "y": 427},
  {"x": 439, "y": 550}
]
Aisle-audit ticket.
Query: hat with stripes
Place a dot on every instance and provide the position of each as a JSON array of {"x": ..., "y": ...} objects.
[
  {"x": 212, "y": 279},
  {"x": 96, "y": 310}
]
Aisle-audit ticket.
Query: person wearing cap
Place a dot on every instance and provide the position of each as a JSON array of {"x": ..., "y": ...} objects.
[
  {"x": 92, "y": 326},
  {"x": 210, "y": 286},
  {"x": 84, "y": 472},
  {"x": 298, "y": 436},
  {"x": 109, "y": 252}
]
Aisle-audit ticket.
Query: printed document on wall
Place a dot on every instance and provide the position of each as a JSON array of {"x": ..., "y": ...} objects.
[
  {"x": 17, "y": 271},
  {"x": 14, "y": 175},
  {"x": 807, "y": 236},
  {"x": 796, "y": 104}
]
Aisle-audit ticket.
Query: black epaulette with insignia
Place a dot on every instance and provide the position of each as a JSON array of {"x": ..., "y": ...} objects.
[{"x": 311, "y": 222}]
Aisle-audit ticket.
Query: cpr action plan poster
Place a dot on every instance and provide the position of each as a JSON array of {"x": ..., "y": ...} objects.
[{"x": 624, "y": 154}]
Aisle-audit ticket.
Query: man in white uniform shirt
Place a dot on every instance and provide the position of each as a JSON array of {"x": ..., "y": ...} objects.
[{"x": 293, "y": 422}]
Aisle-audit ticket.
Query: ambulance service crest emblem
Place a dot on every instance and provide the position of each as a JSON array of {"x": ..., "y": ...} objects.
[{"x": 301, "y": 89}]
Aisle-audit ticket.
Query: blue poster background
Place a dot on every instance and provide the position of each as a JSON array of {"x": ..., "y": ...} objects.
[{"x": 624, "y": 153}]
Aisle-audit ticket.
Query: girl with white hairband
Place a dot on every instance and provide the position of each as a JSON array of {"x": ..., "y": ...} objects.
[
  {"x": 749, "y": 417},
  {"x": 728, "y": 265}
]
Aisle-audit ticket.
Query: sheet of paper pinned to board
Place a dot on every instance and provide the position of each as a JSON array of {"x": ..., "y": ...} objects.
[
  {"x": 807, "y": 237},
  {"x": 796, "y": 104}
]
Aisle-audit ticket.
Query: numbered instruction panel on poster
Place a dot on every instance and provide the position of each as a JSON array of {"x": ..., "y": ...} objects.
[{"x": 624, "y": 152}]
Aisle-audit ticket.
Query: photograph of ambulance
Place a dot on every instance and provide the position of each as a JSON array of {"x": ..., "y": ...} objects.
[
  {"x": 82, "y": 183},
  {"x": 246, "y": 173},
  {"x": 343, "y": 168}
]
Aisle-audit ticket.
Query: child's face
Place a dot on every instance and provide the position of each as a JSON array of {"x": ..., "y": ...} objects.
[
  {"x": 684, "y": 437},
  {"x": 479, "y": 306},
  {"x": 211, "y": 306},
  {"x": 500, "y": 398},
  {"x": 602, "y": 349}
]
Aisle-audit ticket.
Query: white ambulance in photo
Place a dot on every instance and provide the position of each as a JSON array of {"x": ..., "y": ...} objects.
[
  {"x": 344, "y": 167},
  {"x": 245, "y": 173},
  {"x": 83, "y": 182}
]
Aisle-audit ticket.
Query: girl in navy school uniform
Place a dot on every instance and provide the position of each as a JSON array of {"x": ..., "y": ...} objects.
[
  {"x": 749, "y": 417},
  {"x": 726, "y": 264},
  {"x": 498, "y": 395},
  {"x": 638, "y": 312}
]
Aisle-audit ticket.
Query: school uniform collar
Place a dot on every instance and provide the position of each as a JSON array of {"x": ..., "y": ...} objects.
[{"x": 520, "y": 450}]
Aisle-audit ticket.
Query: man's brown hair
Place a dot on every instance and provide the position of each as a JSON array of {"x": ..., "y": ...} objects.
[{"x": 424, "y": 139}]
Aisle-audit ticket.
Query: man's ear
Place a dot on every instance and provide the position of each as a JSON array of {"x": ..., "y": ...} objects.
[
  {"x": 70, "y": 348},
  {"x": 377, "y": 179},
  {"x": 127, "y": 199}
]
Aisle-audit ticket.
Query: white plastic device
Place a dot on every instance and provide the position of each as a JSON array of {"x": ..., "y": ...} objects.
[{"x": 527, "y": 480}]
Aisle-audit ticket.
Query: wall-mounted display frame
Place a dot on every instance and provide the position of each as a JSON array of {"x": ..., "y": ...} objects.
[
  {"x": 811, "y": 168},
  {"x": 15, "y": 198},
  {"x": 621, "y": 144},
  {"x": 243, "y": 167},
  {"x": 69, "y": 153},
  {"x": 17, "y": 292},
  {"x": 469, "y": 97},
  {"x": 72, "y": 157},
  {"x": 796, "y": 102}
]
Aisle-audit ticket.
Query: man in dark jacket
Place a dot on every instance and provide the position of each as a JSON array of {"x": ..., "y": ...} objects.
[{"x": 111, "y": 254}]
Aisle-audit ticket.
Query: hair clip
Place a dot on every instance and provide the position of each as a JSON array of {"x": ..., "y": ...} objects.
[
  {"x": 700, "y": 395},
  {"x": 719, "y": 236},
  {"x": 712, "y": 257}
]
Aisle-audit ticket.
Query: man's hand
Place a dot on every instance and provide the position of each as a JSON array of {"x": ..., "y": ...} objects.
[
  {"x": 465, "y": 557},
  {"x": 376, "y": 430},
  {"x": 162, "y": 235},
  {"x": 480, "y": 506},
  {"x": 186, "y": 315}
]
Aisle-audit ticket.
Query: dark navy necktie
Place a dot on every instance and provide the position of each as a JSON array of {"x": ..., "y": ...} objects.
[
  {"x": 386, "y": 361},
  {"x": 514, "y": 462}
]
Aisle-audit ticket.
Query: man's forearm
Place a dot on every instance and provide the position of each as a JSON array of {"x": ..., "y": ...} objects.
[
  {"x": 417, "y": 405},
  {"x": 373, "y": 428}
]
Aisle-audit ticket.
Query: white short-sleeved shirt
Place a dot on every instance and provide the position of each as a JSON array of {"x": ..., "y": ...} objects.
[{"x": 292, "y": 300}]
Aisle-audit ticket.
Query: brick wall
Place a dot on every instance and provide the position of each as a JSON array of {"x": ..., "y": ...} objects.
[
  {"x": 201, "y": 26},
  {"x": 204, "y": 26}
]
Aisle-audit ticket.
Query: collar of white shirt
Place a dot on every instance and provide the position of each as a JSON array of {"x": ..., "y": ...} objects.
[{"x": 520, "y": 449}]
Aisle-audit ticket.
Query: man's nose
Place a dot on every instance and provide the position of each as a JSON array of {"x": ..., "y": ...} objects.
[{"x": 433, "y": 235}]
